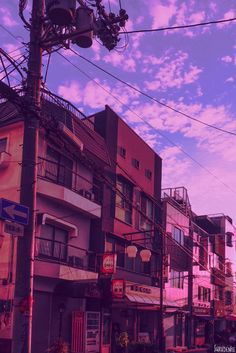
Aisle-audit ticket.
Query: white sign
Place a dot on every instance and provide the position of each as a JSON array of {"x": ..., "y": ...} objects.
[{"x": 14, "y": 229}]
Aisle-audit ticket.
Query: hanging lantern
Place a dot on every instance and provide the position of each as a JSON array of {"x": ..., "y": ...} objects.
[
  {"x": 61, "y": 12},
  {"x": 145, "y": 255},
  {"x": 131, "y": 251},
  {"x": 84, "y": 20}
]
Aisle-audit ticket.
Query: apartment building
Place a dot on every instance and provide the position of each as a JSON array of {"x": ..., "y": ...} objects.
[
  {"x": 71, "y": 161},
  {"x": 176, "y": 222},
  {"x": 131, "y": 216}
]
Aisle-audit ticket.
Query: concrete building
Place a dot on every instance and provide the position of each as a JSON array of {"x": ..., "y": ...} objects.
[
  {"x": 131, "y": 219},
  {"x": 71, "y": 161}
]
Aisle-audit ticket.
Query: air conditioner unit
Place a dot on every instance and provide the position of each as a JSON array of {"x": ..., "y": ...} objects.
[
  {"x": 87, "y": 194},
  {"x": 76, "y": 261},
  {"x": 4, "y": 160}
]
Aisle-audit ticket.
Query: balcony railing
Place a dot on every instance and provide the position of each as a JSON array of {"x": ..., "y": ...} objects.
[
  {"x": 59, "y": 174},
  {"x": 66, "y": 254}
]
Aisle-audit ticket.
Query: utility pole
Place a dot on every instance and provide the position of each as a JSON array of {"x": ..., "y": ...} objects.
[
  {"x": 23, "y": 300},
  {"x": 190, "y": 289},
  {"x": 107, "y": 27},
  {"x": 161, "y": 326}
]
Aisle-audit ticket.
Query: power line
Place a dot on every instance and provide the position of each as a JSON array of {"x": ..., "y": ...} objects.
[
  {"x": 180, "y": 27},
  {"x": 11, "y": 34},
  {"x": 152, "y": 98},
  {"x": 147, "y": 123},
  {"x": 157, "y": 225}
]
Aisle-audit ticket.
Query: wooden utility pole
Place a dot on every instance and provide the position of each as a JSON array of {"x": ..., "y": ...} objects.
[{"x": 23, "y": 299}]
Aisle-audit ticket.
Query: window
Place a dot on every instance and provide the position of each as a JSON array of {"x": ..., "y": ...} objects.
[
  {"x": 204, "y": 294},
  {"x": 58, "y": 168},
  {"x": 228, "y": 269},
  {"x": 147, "y": 209},
  {"x": 124, "y": 197},
  {"x": 53, "y": 242},
  {"x": 229, "y": 237},
  {"x": 178, "y": 235},
  {"x": 218, "y": 292},
  {"x": 228, "y": 297},
  {"x": 176, "y": 279},
  {"x": 135, "y": 163},
  {"x": 148, "y": 174},
  {"x": 3, "y": 145},
  {"x": 122, "y": 152}
]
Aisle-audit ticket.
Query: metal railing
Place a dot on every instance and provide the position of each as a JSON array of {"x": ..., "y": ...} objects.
[
  {"x": 67, "y": 254},
  {"x": 61, "y": 175}
]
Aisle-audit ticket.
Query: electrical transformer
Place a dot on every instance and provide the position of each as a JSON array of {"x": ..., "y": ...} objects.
[
  {"x": 61, "y": 12},
  {"x": 83, "y": 21}
]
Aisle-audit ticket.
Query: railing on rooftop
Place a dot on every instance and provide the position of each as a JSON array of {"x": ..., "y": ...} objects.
[
  {"x": 62, "y": 103},
  {"x": 178, "y": 196},
  {"x": 61, "y": 175}
]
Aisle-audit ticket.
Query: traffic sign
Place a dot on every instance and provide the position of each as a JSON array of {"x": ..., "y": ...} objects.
[{"x": 13, "y": 211}]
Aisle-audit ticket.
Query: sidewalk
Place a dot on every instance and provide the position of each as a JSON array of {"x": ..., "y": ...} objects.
[{"x": 193, "y": 350}]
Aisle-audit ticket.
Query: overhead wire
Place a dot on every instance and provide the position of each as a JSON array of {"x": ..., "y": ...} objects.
[
  {"x": 147, "y": 123},
  {"x": 152, "y": 98},
  {"x": 108, "y": 182},
  {"x": 181, "y": 26}
]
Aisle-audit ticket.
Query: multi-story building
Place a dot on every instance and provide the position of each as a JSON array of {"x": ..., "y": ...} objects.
[
  {"x": 219, "y": 257},
  {"x": 131, "y": 216},
  {"x": 176, "y": 222},
  {"x": 202, "y": 288},
  {"x": 71, "y": 161}
]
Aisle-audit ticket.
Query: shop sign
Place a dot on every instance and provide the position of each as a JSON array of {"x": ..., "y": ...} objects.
[
  {"x": 201, "y": 311},
  {"x": 135, "y": 288},
  {"x": 108, "y": 263},
  {"x": 117, "y": 288}
]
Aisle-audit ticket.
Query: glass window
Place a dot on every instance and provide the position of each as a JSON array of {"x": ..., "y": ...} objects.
[
  {"x": 147, "y": 216},
  {"x": 3, "y": 145},
  {"x": 124, "y": 197},
  {"x": 53, "y": 242},
  {"x": 122, "y": 151},
  {"x": 204, "y": 294},
  {"x": 135, "y": 163},
  {"x": 178, "y": 235},
  {"x": 148, "y": 174},
  {"x": 176, "y": 279},
  {"x": 58, "y": 168}
]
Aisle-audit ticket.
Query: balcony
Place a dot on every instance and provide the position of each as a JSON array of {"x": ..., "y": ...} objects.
[
  {"x": 58, "y": 182},
  {"x": 64, "y": 261}
]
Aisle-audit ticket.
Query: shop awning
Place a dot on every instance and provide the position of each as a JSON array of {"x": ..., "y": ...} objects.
[
  {"x": 231, "y": 317},
  {"x": 142, "y": 299}
]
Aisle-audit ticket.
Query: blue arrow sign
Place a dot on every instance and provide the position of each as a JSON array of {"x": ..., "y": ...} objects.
[{"x": 13, "y": 211}]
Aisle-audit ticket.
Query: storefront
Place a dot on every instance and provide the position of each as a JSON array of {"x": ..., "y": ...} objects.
[
  {"x": 135, "y": 310},
  {"x": 203, "y": 326}
]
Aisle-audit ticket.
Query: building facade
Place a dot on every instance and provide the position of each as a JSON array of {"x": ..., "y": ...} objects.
[{"x": 99, "y": 197}]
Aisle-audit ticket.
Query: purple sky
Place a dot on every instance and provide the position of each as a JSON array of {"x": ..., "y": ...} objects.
[{"x": 193, "y": 70}]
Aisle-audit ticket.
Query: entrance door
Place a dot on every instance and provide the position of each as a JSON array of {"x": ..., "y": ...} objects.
[{"x": 92, "y": 332}]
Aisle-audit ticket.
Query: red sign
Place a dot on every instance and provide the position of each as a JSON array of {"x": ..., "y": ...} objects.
[
  {"x": 118, "y": 288},
  {"x": 108, "y": 263}
]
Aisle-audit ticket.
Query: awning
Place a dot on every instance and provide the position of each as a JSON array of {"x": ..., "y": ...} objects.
[
  {"x": 142, "y": 299},
  {"x": 231, "y": 317}
]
